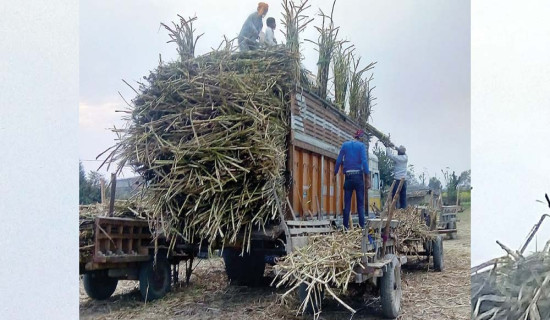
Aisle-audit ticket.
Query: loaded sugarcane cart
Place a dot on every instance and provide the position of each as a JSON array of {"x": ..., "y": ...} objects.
[{"x": 123, "y": 247}]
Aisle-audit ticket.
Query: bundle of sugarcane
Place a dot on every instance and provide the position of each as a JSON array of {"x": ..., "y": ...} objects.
[
  {"x": 326, "y": 44},
  {"x": 513, "y": 289},
  {"x": 515, "y": 286},
  {"x": 88, "y": 213},
  {"x": 209, "y": 136},
  {"x": 412, "y": 227},
  {"x": 325, "y": 264},
  {"x": 340, "y": 70},
  {"x": 358, "y": 89}
]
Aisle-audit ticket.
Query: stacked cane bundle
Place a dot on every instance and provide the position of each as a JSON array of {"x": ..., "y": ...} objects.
[
  {"x": 412, "y": 227},
  {"x": 208, "y": 134},
  {"x": 515, "y": 286},
  {"x": 513, "y": 289}
]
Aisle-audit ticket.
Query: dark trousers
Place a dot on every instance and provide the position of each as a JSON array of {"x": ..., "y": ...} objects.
[
  {"x": 355, "y": 183},
  {"x": 402, "y": 194}
]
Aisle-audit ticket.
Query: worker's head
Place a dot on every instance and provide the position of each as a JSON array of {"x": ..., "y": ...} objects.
[
  {"x": 359, "y": 134},
  {"x": 401, "y": 150},
  {"x": 270, "y": 22},
  {"x": 262, "y": 8}
]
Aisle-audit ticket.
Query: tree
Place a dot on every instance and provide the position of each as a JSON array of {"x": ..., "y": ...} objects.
[
  {"x": 435, "y": 184},
  {"x": 465, "y": 178},
  {"x": 422, "y": 178},
  {"x": 89, "y": 188},
  {"x": 411, "y": 176},
  {"x": 385, "y": 165},
  {"x": 451, "y": 181}
]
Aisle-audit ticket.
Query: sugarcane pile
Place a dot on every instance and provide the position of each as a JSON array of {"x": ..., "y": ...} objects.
[
  {"x": 325, "y": 264},
  {"x": 412, "y": 228},
  {"x": 514, "y": 287},
  {"x": 87, "y": 215},
  {"x": 208, "y": 135}
]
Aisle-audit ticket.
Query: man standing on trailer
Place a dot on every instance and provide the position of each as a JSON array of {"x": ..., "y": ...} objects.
[
  {"x": 399, "y": 172},
  {"x": 353, "y": 155}
]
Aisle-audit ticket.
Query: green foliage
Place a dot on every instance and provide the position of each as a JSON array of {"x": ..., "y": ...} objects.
[
  {"x": 451, "y": 181},
  {"x": 465, "y": 178},
  {"x": 340, "y": 70},
  {"x": 385, "y": 166},
  {"x": 435, "y": 184},
  {"x": 411, "y": 176},
  {"x": 89, "y": 188}
]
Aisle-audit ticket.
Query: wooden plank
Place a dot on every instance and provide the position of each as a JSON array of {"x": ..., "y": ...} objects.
[
  {"x": 297, "y": 185},
  {"x": 308, "y": 223},
  {"x": 297, "y": 231},
  {"x": 121, "y": 258}
]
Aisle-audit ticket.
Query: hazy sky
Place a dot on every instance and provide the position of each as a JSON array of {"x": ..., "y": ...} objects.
[
  {"x": 510, "y": 125},
  {"x": 422, "y": 76}
]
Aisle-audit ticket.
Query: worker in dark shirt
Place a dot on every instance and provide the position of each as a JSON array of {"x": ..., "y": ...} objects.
[
  {"x": 250, "y": 32},
  {"x": 353, "y": 155}
]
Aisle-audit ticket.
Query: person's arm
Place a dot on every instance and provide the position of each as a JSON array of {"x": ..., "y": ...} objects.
[
  {"x": 365, "y": 164},
  {"x": 339, "y": 160},
  {"x": 390, "y": 154},
  {"x": 364, "y": 161}
]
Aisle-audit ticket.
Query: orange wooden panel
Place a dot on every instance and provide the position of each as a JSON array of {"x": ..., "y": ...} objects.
[
  {"x": 325, "y": 184},
  {"x": 314, "y": 174},
  {"x": 306, "y": 183},
  {"x": 297, "y": 182},
  {"x": 332, "y": 188}
]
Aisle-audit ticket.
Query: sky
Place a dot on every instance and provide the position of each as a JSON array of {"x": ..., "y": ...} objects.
[
  {"x": 510, "y": 126},
  {"x": 422, "y": 75}
]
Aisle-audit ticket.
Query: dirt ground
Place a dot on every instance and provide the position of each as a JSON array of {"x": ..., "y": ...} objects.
[{"x": 426, "y": 294}]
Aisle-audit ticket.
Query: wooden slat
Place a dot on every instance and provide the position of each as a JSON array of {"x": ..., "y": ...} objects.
[
  {"x": 308, "y": 223},
  {"x": 296, "y": 231},
  {"x": 121, "y": 258}
]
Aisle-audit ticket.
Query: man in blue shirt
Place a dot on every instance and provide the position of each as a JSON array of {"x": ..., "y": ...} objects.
[{"x": 353, "y": 155}]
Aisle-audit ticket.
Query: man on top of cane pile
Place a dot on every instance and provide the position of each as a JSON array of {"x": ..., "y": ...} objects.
[
  {"x": 353, "y": 155},
  {"x": 250, "y": 32}
]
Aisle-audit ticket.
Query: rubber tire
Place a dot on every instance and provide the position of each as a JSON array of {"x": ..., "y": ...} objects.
[
  {"x": 311, "y": 307},
  {"x": 437, "y": 254},
  {"x": 390, "y": 289},
  {"x": 154, "y": 280},
  {"x": 452, "y": 225},
  {"x": 98, "y": 285},
  {"x": 246, "y": 270}
]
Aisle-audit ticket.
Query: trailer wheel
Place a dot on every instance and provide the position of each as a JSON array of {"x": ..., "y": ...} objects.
[
  {"x": 246, "y": 270},
  {"x": 311, "y": 307},
  {"x": 390, "y": 289},
  {"x": 154, "y": 279},
  {"x": 452, "y": 225},
  {"x": 437, "y": 253},
  {"x": 99, "y": 286}
]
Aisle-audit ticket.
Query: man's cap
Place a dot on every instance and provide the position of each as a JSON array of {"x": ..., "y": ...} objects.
[
  {"x": 401, "y": 149},
  {"x": 359, "y": 133}
]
